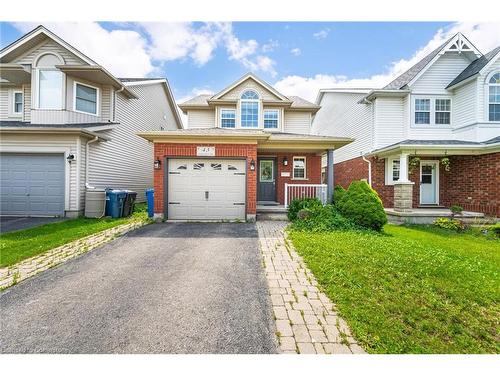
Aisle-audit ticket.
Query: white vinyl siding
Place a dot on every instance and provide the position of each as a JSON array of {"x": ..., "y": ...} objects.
[
  {"x": 249, "y": 84},
  {"x": 126, "y": 161},
  {"x": 341, "y": 115},
  {"x": 465, "y": 105},
  {"x": 49, "y": 46},
  {"x": 435, "y": 79},
  {"x": 4, "y": 103},
  {"x": 388, "y": 121},
  {"x": 297, "y": 122},
  {"x": 482, "y": 91},
  {"x": 27, "y": 103},
  {"x": 201, "y": 118}
]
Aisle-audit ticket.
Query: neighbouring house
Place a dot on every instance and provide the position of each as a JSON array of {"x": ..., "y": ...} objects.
[
  {"x": 430, "y": 138},
  {"x": 245, "y": 148},
  {"x": 68, "y": 125}
]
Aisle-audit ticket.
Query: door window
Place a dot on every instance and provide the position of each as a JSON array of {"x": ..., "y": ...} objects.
[
  {"x": 427, "y": 174},
  {"x": 266, "y": 171}
]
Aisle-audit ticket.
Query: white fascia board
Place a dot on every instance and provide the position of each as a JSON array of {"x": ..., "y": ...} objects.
[{"x": 145, "y": 82}]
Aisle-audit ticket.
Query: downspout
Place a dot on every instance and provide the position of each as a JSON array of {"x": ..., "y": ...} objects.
[
  {"x": 87, "y": 160},
  {"x": 369, "y": 170}
]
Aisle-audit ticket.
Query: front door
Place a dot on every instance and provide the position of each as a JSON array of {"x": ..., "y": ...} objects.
[
  {"x": 429, "y": 182},
  {"x": 266, "y": 180}
]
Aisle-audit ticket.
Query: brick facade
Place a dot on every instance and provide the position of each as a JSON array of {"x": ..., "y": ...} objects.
[
  {"x": 313, "y": 172},
  {"x": 473, "y": 181},
  {"x": 248, "y": 151}
]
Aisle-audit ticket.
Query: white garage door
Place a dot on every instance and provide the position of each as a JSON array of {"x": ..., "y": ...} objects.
[
  {"x": 32, "y": 184},
  {"x": 206, "y": 189}
]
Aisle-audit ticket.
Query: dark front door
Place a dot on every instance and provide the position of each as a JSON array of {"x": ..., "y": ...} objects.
[{"x": 266, "y": 179}]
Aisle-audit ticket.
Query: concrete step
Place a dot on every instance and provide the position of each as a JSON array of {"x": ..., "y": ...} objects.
[{"x": 273, "y": 216}]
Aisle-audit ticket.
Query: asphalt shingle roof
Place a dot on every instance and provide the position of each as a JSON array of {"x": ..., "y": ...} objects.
[
  {"x": 405, "y": 78},
  {"x": 475, "y": 67},
  {"x": 297, "y": 101},
  {"x": 22, "y": 124}
]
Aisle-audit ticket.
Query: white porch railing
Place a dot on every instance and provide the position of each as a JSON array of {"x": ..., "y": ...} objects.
[{"x": 297, "y": 191}]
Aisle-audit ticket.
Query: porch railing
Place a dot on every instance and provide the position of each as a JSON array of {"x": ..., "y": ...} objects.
[{"x": 297, "y": 191}]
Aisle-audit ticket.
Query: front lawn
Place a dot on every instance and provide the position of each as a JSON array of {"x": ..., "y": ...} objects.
[
  {"x": 410, "y": 289},
  {"x": 22, "y": 244}
]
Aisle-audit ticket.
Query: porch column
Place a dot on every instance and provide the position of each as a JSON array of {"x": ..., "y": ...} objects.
[
  {"x": 329, "y": 175},
  {"x": 403, "y": 188}
]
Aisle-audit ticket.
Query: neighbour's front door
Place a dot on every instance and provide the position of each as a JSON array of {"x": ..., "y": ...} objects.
[
  {"x": 428, "y": 182},
  {"x": 266, "y": 179}
]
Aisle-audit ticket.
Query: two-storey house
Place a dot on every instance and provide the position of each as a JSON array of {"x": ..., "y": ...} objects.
[
  {"x": 68, "y": 125},
  {"x": 245, "y": 147},
  {"x": 429, "y": 138}
]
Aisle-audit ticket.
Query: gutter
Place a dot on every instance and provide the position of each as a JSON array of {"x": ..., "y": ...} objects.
[
  {"x": 87, "y": 161},
  {"x": 369, "y": 169}
]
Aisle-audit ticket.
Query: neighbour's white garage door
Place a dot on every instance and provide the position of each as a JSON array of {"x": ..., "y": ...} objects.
[
  {"x": 32, "y": 184},
  {"x": 206, "y": 189}
]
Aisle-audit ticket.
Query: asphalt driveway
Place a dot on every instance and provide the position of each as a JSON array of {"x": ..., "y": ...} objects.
[{"x": 164, "y": 288}]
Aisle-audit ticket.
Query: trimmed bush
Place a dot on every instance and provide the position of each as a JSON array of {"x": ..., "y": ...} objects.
[
  {"x": 298, "y": 204},
  {"x": 362, "y": 205},
  {"x": 304, "y": 214},
  {"x": 338, "y": 193},
  {"x": 456, "y": 209},
  {"x": 322, "y": 219},
  {"x": 495, "y": 228}
]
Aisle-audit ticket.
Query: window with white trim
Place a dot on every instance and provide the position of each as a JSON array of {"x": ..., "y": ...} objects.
[
  {"x": 86, "y": 98},
  {"x": 299, "y": 167},
  {"x": 228, "y": 118},
  {"x": 249, "y": 109},
  {"x": 50, "y": 82},
  {"x": 494, "y": 97},
  {"x": 392, "y": 170},
  {"x": 422, "y": 111},
  {"x": 443, "y": 112},
  {"x": 17, "y": 102},
  {"x": 271, "y": 118}
]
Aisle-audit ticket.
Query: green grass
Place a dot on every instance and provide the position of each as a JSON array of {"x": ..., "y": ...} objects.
[
  {"x": 415, "y": 289},
  {"x": 22, "y": 244}
]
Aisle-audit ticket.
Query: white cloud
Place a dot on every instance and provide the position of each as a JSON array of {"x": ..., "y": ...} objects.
[
  {"x": 484, "y": 36},
  {"x": 295, "y": 51},
  {"x": 270, "y": 46},
  {"x": 122, "y": 52},
  {"x": 322, "y": 34}
]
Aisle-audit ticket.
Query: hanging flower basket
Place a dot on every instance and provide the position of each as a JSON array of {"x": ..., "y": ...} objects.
[
  {"x": 445, "y": 162},
  {"x": 414, "y": 163}
]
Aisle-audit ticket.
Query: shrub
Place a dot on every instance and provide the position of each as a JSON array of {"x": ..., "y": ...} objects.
[
  {"x": 298, "y": 204},
  {"x": 338, "y": 193},
  {"x": 456, "y": 209},
  {"x": 495, "y": 228},
  {"x": 362, "y": 205},
  {"x": 323, "y": 219},
  {"x": 451, "y": 224}
]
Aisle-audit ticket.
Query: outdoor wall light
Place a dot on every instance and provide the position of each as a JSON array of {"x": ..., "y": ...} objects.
[
  {"x": 252, "y": 165},
  {"x": 70, "y": 158},
  {"x": 285, "y": 161},
  {"x": 157, "y": 164}
]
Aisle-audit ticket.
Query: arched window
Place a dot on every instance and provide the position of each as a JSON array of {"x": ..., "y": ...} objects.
[
  {"x": 494, "y": 97},
  {"x": 49, "y": 81},
  {"x": 249, "y": 109}
]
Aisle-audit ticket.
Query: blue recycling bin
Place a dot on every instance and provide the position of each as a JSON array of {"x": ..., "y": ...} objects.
[
  {"x": 150, "y": 198},
  {"x": 114, "y": 202}
]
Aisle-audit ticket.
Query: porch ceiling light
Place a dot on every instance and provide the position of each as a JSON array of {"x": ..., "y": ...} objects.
[{"x": 252, "y": 165}]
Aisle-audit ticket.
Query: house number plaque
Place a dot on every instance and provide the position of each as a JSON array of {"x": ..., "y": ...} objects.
[{"x": 205, "y": 151}]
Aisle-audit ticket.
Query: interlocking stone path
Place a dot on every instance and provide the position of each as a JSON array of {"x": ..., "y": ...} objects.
[
  {"x": 29, "y": 267},
  {"x": 306, "y": 320}
]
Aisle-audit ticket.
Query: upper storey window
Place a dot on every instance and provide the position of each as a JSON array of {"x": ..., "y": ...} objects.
[
  {"x": 50, "y": 82},
  {"x": 432, "y": 111},
  {"x": 86, "y": 98},
  {"x": 494, "y": 97},
  {"x": 249, "y": 109}
]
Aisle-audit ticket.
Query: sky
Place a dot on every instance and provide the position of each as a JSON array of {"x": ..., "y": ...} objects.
[{"x": 297, "y": 58}]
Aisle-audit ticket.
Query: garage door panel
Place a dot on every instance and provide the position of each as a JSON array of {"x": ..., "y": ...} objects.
[
  {"x": 188, "y": 187},
  {"x": 32, "y": 184}
]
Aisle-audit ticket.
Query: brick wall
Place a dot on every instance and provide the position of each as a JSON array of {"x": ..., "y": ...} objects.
[
  {"x": 313, "y": 172},
  {"x": 473, "y": 182},
  {"x": 249, "y": 151}
]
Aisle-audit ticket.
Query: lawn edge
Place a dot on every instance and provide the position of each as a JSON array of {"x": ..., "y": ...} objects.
[{"x": 26, "y": 268}]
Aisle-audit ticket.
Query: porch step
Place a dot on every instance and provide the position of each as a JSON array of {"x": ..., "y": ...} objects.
[{"x": 273, "y": 216}]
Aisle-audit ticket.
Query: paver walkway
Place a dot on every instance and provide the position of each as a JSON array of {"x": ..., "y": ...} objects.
[{"x": 306, "y": 320}]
